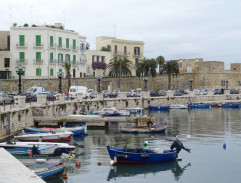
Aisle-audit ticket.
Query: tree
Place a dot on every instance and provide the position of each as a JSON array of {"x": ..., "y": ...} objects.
[
  {"x": 25, "y": 25},
  {"x": 146, "y": 67},
  {"x": 68, "y": 75},
  {"x": 108, "y": 48},
  {"x": 87, "y": 46},
  {"x": 170, "y": 68},
  {"x": 160, "y": 60},
  {"x": 120, "y": 67}
]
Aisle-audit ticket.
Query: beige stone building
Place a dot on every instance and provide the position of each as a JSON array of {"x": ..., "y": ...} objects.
[{"x": 132, "y": 50}]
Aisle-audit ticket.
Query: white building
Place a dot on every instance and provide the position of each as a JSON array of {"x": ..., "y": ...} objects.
[{"x": 44, "y": 50}]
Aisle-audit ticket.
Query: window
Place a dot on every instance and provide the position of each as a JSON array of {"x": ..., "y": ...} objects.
[
  {"x": 136, "y": 61},
  {"x": 82, "y": 46},
  {"x": 67, "y": 42},
  {"x": 189, "y": 69},
  {"x": 115, "y": 49},
  {"x": 137, "y": 51},
  {"x": 51, "y": 72},
  {"x": 103, "y": 59},
  {"x": 180, "y": 65},
  {"x": 38, "y": 40},
  {"x": 97, "y": 58},
  {"x": 67, "y": 58},
  {"x": 60, "y": 71},
  {"x": 21, "y": 40},
  {"x": 51, "y": 57},
  {"x": 60, "y": 57},
  {"x": 74, "y": 44},
  {"x": 51, "y": 41},
  {"x": 38, "y": 56},
  {"x": 60, "y": 42},
  {"x": 38, "y": 72},
  {"x": 74, "y": 59},
  {"x": 6, "y": 62},
  {"x": 125, "y": 50},
  {"x": 21, "y": 57}
]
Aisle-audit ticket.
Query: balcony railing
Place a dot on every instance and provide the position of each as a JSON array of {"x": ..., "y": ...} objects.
[
  {"x": 22, "y": 44},
  {"x": 61, "y": 61},
  {"x": 83, "y": 61},
  {"x": 82, "y": 49},
  {"x": 137, "y": 54},
  {"x": 38, "y": 45},
  {"x": 121, "y": 53},
  {"x": 75, "y": 48},
  {"x": 52, "y": 45},
  {"x": 63, "y": 47},
  {"x": 52, "y": 61},
  {"x": 21, "y": 61},
  {"x": 38, "y": 61}
]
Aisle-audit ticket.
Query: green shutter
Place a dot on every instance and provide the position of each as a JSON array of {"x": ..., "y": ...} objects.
[
  {"x": 51, "y": 57},
  {"x": 38, "y": 56},
  {"x": 22, "y": 73},
  {"x": 74, "y": 44},
  {"x": 60, "y": 42},
  {"x": 38, "y": 40},
  {"x": 21, "y": 40},
  {"x": 51, "y": 41},
  {"x": 51, "y": 72},
  {"x": 38, "y": 72},
  {"x": 67, "y": 42},
  {"x": 67, "y": 58},
  {"x": 21, "y": 56},
  {"x": 74, "y": 59}
]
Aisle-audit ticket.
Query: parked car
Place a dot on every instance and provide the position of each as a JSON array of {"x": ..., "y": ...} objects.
[
  {"x": 51, "y": 96},
  {"x": 162, "y": 93},
  {"x": 31, "y": 97},
  {"x": 133, "y": 93},
  {"x": 154, "y": 93},
  {"x": 105, "y": 93},
  {"x": 217, "y": 92},
  {"x": 197, "y": 92},
  {"x": 233, "y": 91},
  {"x": 113, "y": 94},
  {"x": 203, "y": 92},
  {"x": 5, "y": 99},
  {"x": 93, "y": 94},
  {"x": 178, "y": 93}
]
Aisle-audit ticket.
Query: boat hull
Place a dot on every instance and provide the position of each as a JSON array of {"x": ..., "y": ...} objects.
[
  {"x": 142, "y": 156},
  {"x": 231, "y": 105},
  {"x": 146, "y": 129},
  {"x": 159, "y": 107},
  {"x": 199, "y": 105}
]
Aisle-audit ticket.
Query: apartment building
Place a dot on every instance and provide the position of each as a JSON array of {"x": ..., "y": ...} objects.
[
  {"x": 132, "y": 50},
  {"x": 44, "y": 50}
]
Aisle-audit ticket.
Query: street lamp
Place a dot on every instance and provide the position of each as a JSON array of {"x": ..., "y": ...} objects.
[
  {"x": 190, "y": 80},
  {"x": 227, "y": 84},
  {"x": 145, "y": 79},
  {"x": 19, "y": 70},
  {"x": 60, "y": 75},
  {"x": 99, "y": 78}
]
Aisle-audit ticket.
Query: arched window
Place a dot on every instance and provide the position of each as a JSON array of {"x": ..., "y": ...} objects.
[
  {"x": 67, "y": 58},
  {"x": 60, "y": 58}
]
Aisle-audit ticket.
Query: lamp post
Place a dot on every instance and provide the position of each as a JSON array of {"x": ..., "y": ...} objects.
[
  {"x": 227, "y": 80},
  {"x": 99, "y": 78},
  {"x": 60, "y": 75},
  {"x": 190, "y": 80},
  {"x": 19, "y": 70},
  {"x": 145, "y": 79}
]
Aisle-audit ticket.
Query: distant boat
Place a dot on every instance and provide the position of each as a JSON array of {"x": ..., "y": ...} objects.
[
  {"x": 113, "y": 111},
  {"x": 199, "y": 105},
  {"x": 178, "y": 106},
  {"x": 77, "y": 131},
  {"x": 46, "y": 137},
  {"x": 234, "y": 105},
  {"x": 159, "y": 107}
]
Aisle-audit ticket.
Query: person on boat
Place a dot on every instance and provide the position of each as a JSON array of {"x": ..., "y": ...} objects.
[
  {"x": 179, "y": 146},
  {"x": 35, "y": 150}
]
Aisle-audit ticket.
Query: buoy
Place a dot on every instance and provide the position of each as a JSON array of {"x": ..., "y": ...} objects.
[
  {"x": 30, "y": 153},
  {"x": 99, "y": 163},
  {"x": 64, "y": 176},
  {"x": 77, "y": 163},
  {"x": 145, "y": 143},
  {"x": 224, "y": 146}
]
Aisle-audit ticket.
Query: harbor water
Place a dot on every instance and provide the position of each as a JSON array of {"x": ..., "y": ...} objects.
[{"x": 213, "y": 135}]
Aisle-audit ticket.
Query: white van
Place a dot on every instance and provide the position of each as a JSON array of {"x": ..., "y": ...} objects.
[
  {"x": 36, "y": 90},
  {"x": 73, "y": 90}
]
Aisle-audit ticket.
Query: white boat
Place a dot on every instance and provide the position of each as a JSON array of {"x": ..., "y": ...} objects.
[
  {"x": 178, "y": 106},
  {"x": 45, "y": 137},
  {"x": 113, "y": 111}
]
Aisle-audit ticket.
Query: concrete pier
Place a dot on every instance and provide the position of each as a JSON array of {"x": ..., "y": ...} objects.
[{"x": 13, "y": 170}]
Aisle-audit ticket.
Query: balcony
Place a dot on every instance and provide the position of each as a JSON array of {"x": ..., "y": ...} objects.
[
  {"x": 83, "y": 61},
  {"x": 74, "y": 48},
  {"x": 82, "y": 49},
  {"x": 137, "y": 54},
  {"x": 61, "y": 61},
  {"x": 38, "y": 61},
  {"x": 22, "y": 45},
  {"x": 52, "y": 45},
  {"x": 63, "y": 47},
  {"x": 52, "y": 61},
  {"x": 38, "y": 45},
  {"x": 121, "y": 53},
  {"x": 21, "y": 61}
]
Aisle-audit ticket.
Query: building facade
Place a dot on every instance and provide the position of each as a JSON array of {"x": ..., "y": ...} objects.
[
  {"x": 132, "y": 50},
  {"x": 44, "y": 51}
]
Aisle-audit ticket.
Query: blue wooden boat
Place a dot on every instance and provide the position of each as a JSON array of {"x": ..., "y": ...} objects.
[
  {"x": 159, "y": 107},
  {"x": 144, "y": 155},
  {"x": 235, "y": 105},
  {"x": 48, "y": 171},
  {"x": 199, "y": 105}
]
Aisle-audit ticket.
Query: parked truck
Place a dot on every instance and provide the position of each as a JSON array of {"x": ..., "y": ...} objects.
[{"x": 73, "y": 90}]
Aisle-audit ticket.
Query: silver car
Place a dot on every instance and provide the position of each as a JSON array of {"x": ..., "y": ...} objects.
[{"x": 133, "y": 93}]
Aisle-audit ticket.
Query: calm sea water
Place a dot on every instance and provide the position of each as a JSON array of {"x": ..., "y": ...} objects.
[{"x": 208, "y": 161}]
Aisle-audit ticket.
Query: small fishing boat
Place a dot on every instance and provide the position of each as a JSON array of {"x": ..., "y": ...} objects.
[
  {"x": 159, "y": 107},
  {"x": 199, "y": 105},
  {"x": 45, "y": 137},
  {"x": 144, "y": 124},
  {"x": 77, "y": 131},
  {"x": 47, "y": 171},
  {"x": 40, "y": 159},
  {"x": 145, "y": 155},
  {"x": 233, "y": 105},
  {"x": 113, "y": 111},
  {"x": 178, "y": 106}
]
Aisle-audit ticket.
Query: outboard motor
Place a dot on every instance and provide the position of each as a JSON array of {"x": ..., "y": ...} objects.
[
  {"x": 179, "y": 146},
  {"x": 35, "y": 150}
]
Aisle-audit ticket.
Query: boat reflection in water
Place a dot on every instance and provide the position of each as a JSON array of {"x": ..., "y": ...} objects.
[{"x": 130, "y": 170}]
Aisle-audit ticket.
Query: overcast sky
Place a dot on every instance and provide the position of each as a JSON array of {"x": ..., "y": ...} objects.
[{"x": 175, "y": 29}]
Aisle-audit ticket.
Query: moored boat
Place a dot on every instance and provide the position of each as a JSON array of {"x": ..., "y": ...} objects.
[
  {"x": 159, "y": 107},
  {"x": 233, "y": 105},
  {"x": 178, "y": 106},
  {"x": 199, "y": 105},
  {"x": 113, "y": 111}
]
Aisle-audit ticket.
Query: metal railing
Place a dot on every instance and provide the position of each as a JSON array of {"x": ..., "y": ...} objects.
[
  {"x": 22, "y": 44},
  {"x": 38, "y": 61},
  {"x": 38, "y": 45},
  {"x": 21, "y": 61},
  {"x": 122, "y": 53}
]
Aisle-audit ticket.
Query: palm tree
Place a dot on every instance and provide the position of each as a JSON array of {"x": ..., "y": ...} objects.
[
  {"x": 68, "y": 75},
  {"x": 170, "y": 68},
  {"x": 120, "y": 67},
  {"x": 160, "y": 61},
  {"x": 146, "y": 67}
]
